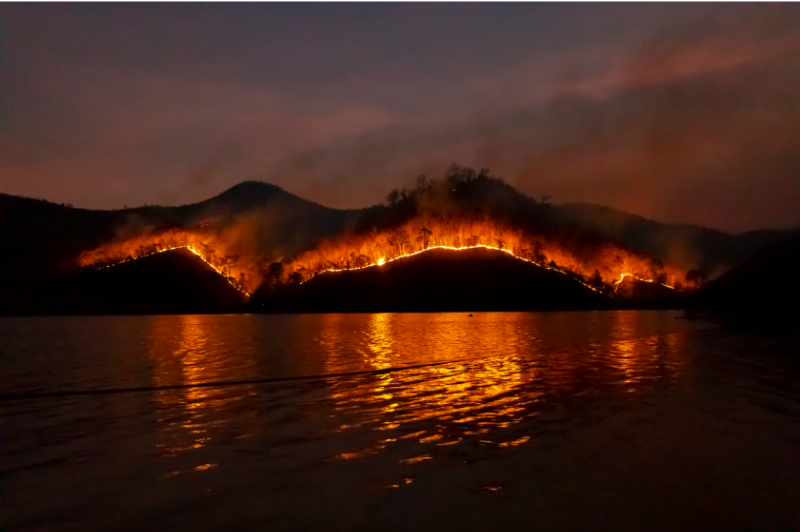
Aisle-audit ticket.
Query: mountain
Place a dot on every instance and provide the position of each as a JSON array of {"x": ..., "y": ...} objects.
[
  {"x": 40, "y": 238},
  {"x": 43, "y": 240},
  {"x": 439, "y": 280},
  {"x": 688, "y": 246}
]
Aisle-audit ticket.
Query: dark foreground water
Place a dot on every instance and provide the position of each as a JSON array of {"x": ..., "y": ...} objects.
[{"x": 549, "y": 421}]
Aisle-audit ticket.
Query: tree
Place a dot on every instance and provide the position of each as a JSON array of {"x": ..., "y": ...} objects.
[
  {"x": 657, "y": 270},
  {"x": 275, "y": 274},
  {"x": 423, "y": 182},
  {"x": 596, "y": 280},
  {"x": 425, "y": 237},
  {"x": 393, "y": 198},
  {"x": 296, "y": 277}
]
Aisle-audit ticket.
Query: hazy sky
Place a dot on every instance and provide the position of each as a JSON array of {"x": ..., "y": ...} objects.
[{"x": 681, "y": 113}]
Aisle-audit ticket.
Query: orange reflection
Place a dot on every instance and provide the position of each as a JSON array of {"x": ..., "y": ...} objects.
[
  {"x": 643, "y": 348},
  {"x": 192, "y": 350},
  {"x": 472, "y": 395}
]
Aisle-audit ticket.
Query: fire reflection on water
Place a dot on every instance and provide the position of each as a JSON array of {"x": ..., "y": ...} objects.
[
  {"x": 465, "y": 397},
  {"x": 500, "y": 372},
  {"x": 491, "y": 381},
  {"x": 189, "y": 350}
]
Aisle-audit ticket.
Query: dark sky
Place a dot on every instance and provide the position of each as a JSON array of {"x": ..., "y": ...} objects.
[{"x": 681, "y": 113}]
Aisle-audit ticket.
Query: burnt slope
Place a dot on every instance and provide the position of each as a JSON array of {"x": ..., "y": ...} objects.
[
  {"x": 175, "y": 281},
  {"x": 438, "y": 281}
]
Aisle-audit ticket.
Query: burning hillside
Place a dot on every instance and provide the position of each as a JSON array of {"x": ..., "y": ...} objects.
[
  {"x": 242, "y": 272},
  {"x": 467, "y": 210},
  {"x": 464, "y": 210},
  {"x": 438, "y": 280},
  {"x": 600, "y": 267}
]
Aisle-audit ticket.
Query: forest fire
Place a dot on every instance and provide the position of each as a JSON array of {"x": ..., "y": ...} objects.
[
  {"x": 593, "y": 266},
  {"x": 241, "y": 272},
  {"x": 602, "y": 268}
]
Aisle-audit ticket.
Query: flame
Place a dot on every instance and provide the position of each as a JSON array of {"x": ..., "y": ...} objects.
[
  {"x": 121, "y": 251},
  {"x": 611, "y": 262},
  {"x": 601, "y": 266},
  {"x": 623, "y": 276}
]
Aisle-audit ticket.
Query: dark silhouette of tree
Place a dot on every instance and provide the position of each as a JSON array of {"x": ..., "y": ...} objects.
[
  {"x": 424, "y": 237},
  {"x": 361, "y": 261},
  {"x": 657, "y": 271},
  {"x": 274, "y": 275},
  {"x": 596, "y": 280},
  {"x": 393, "y": 198}
]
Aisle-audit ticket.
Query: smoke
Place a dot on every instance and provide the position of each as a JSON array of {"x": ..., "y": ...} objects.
[
  {"x": 698, "y": 125},
  {"x": 679, "y": 113}
]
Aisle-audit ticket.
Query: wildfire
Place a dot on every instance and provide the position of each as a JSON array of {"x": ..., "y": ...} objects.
[
  {"x": 240, "y": 273},
  {"x": 599, "y": 268},
  {"x": 623, "y": 276}
]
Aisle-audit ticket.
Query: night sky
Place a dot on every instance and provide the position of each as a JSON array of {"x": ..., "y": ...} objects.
[{"x": 681, "y": 113}]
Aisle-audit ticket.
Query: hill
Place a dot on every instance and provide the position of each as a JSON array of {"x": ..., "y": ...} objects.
[
  {"x": 765, "y": 285},
  {"x": 689, "y": 246},
  {"x": 439, "y": 280},
  {"x": 175, "y": 281},
  {"x": 41, "y": 239}
]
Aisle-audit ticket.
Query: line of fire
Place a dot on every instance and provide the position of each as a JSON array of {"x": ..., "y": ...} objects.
[
  {"x": 462, "y": 211},
  {"x": 603, "y": 269}
]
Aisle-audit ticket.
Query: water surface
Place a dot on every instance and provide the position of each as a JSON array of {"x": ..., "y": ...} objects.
[{"x": 559, "y": 421}]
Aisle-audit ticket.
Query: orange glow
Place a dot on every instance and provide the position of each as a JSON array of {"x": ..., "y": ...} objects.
[
  {"x": 242, "y": 273},
  {"x": 612, "y": 262},
  {"x": 184, "y": 350}
]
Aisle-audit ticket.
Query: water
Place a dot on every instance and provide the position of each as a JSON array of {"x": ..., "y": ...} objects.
[{"x": 550, "y": 421}]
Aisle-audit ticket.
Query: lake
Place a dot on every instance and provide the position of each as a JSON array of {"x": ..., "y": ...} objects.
[{"x": 629, "y": 420}]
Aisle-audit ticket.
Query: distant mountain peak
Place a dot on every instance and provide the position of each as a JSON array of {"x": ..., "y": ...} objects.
[{"x": 252, "y": 187}]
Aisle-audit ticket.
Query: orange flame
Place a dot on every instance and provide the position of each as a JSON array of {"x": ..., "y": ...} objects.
[
  {"x": 243, "y": 273},
  {"x": 612, "y": 262}
]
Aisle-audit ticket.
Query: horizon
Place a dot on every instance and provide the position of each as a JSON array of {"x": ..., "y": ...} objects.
[{"x": 589, "y": 204}]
